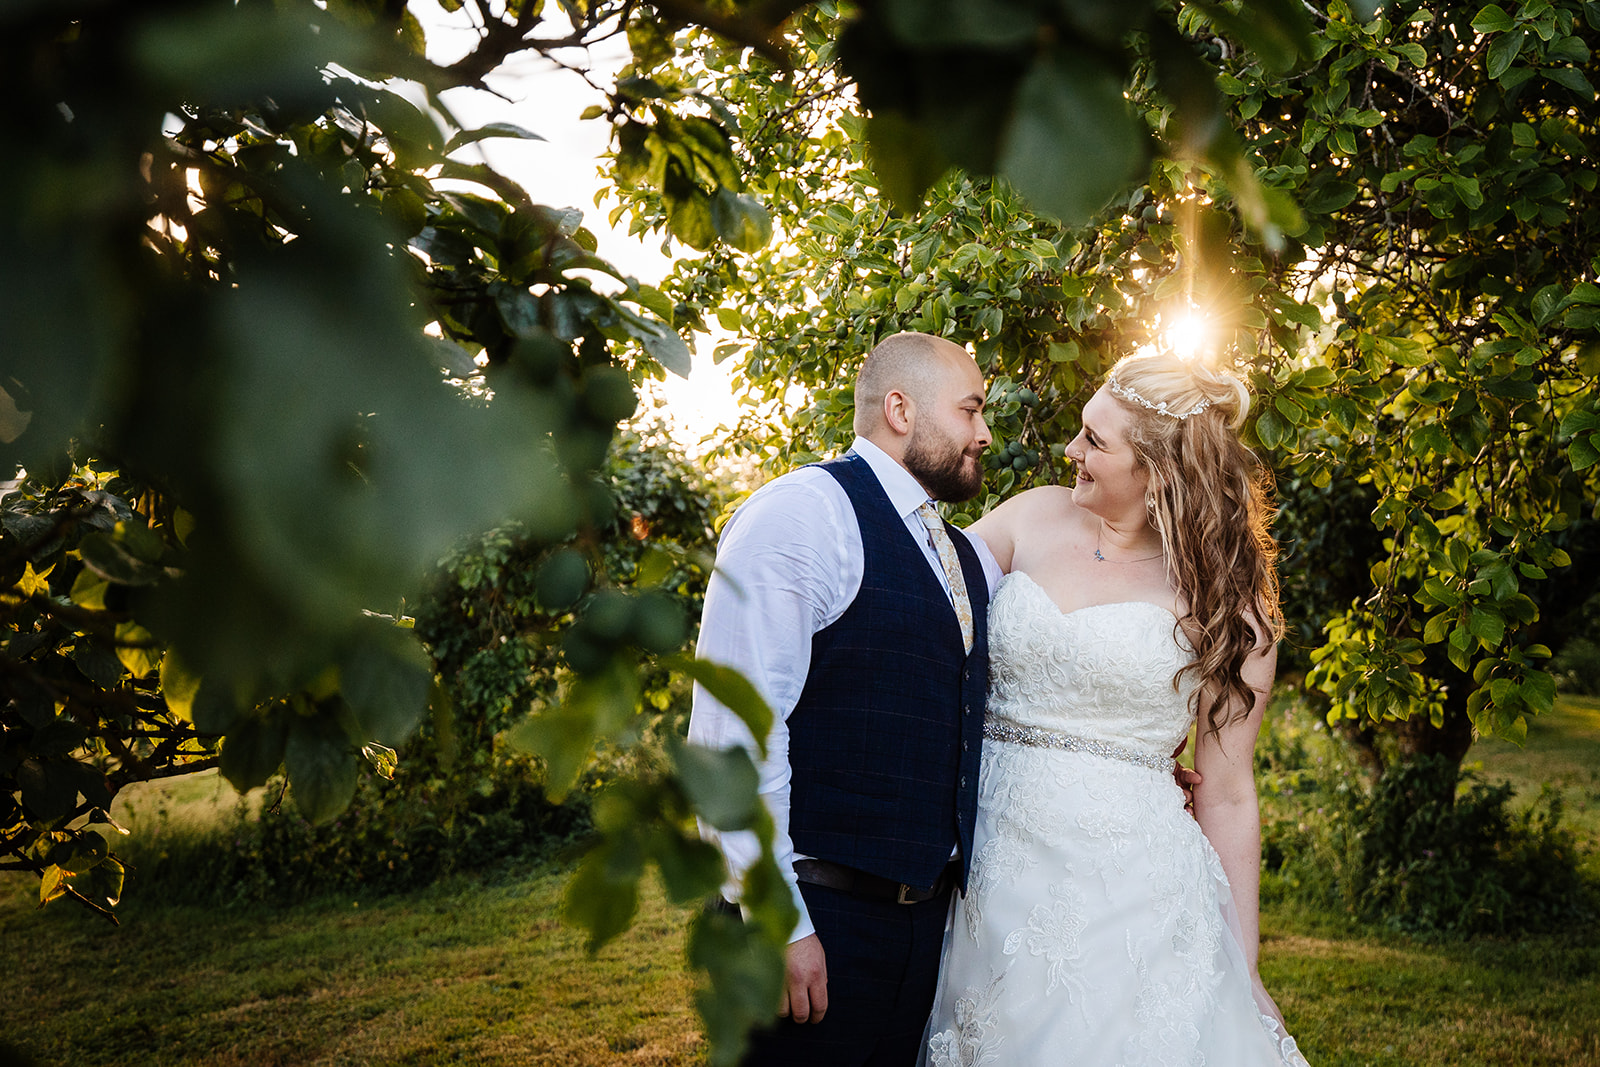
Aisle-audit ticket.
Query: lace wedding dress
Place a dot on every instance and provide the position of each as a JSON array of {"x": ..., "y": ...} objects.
[{"x": 1098, "y": 926}]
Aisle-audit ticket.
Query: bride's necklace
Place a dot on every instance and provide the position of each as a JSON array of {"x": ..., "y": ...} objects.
[{"x": 1100, "y": 557}]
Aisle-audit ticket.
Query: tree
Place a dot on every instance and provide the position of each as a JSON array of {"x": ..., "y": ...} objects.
[
  {"x": 1422, "y": 329},
  {"x": 272, "y": 348}
]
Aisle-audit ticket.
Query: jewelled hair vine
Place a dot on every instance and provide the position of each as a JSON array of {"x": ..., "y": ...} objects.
[{"x": 1122, "y": 392}]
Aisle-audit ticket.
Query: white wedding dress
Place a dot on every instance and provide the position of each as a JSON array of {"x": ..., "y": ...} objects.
[{"x": 1098, "y": 927}]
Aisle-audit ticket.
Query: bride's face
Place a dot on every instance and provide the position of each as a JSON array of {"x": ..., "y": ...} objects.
[{"x": 1110, "y": 482}]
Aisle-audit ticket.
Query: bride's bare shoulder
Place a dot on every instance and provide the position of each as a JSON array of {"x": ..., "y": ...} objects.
[
  {"x": 1041, "y": 500},
  {"x": 1021, "y": 520}
]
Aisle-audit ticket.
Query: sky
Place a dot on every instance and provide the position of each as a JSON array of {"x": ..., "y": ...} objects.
[{"x": 561, "y": 171}]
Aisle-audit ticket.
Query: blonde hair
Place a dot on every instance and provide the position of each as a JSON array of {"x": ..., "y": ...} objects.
[{"x": 1210, "y": 500}]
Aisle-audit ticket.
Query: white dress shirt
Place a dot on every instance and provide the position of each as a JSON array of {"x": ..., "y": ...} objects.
[{"x": 788, "y": 565}]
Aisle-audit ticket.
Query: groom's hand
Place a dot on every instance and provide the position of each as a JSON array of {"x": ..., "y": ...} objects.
[
  {"x": 1186, "y": 777},
  {"x": 805, "y": 995}
]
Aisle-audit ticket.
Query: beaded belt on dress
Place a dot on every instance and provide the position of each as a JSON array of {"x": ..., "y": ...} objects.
[{"x": 998, "y": 729}]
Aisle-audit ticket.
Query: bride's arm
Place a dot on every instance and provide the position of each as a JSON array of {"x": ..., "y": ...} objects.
[{"x": 1225, "y": 803}]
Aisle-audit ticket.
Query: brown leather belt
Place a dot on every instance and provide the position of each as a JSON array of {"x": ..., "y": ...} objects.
[{"x": 871, "y": 886}]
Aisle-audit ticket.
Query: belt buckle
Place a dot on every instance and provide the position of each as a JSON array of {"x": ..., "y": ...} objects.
[{"x": 901, "y": 897}]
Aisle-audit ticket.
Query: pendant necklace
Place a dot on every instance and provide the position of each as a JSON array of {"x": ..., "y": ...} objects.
[{"x": 1101, "y": 558}]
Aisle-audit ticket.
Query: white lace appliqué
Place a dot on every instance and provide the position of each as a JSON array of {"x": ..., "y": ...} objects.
[{"x": 974, "y": 1040}]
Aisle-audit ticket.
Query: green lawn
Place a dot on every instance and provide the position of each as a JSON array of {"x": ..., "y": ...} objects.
[
  {"x": 460, "y": 973},
  {"x": 469, "y": 972},
  {"x": 473, "y": 974},
  {"x": 1563, "y": 750}
]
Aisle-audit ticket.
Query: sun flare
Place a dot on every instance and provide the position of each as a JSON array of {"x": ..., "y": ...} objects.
[{"x": 1187, "y": 336}]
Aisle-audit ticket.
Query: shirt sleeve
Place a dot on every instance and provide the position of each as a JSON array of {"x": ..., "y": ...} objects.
[
  {"x": 785, "y": 569},
  {"x": 991, "y": 566}
]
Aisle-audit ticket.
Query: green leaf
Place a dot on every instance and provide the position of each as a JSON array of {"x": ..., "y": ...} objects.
[
  {"x": 48, "y": 789},
  {"x": 720, "y": 783},
  {"x": 602, "y": 898},
  {"x": 136, "y": 648},
  {"x": 1503, "y": 52},
  {"x": 741, "y": 220},
  {"x": 564, "y": 733},
  {"x": 1546, "y": 302},
  {"x": 1330, "y": 196},
  {"x": 215, "y": 706},
  {"x": 691, "y": 869},
  {"x": 1064, "y": 352},
  {"x": 89, "y": 590},
  {"x": 53, "y": 883},
  {"x": 1572, "y": 78},
  {"x": 321, "y": 764},
  {"x": 1583, "y": 453},
  {"x": 57, "y": 738},
  {"x": 1580, "y": 420},
  {"x": 979, "y": 24},
  {"x": 410, "y": 131},
  {"x": 731, "y": 689},
  {"x": 108, "y": 557},
  {"x": 82, "y": 852},
  {"x": 1487, "y": 625},
  {"x": 689, "y": 217},
  {"x": 905, "y": 158},
  {"x": 1492, "y": 18},
  {"x": 98, "y": 664},
  {"x": 1414, "y": 54},
  {"x": 1271, "y": 427},
  {"x": 178, "y": 686},
  {"x": 1277, "y": 31},
  {"x": 1539, "y": 691},
  {"x": 385, "y": 680},
  {"x": 662, "y": 342},
  {"x": 254, "y": 749},
  {"x": 1071, "y": 142}
]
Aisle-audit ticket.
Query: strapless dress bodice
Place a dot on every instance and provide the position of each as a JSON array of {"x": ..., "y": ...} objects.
[{"x": 1102, "y": 673}]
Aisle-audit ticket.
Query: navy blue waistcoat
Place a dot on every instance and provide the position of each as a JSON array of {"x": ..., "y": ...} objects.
[{"x": 883, "y": 743}]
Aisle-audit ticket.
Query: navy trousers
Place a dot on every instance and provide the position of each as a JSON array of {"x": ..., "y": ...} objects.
[{"x": 883, "y": 966}]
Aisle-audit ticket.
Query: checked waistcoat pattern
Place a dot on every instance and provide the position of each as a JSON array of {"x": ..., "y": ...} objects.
[{"x": 884, "y": 741}]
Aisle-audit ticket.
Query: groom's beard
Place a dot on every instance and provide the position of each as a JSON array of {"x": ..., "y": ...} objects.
[{"x": 945, "y": 471}]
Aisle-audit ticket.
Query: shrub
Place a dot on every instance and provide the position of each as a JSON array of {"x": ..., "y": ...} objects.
[
  {"x": 395, "y": 835},
  {"x": 1419, "y": 853},
  {"x": 1577, "y": 667}
]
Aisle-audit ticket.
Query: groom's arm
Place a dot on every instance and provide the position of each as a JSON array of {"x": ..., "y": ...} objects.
[{"x": 784, "y": 571}]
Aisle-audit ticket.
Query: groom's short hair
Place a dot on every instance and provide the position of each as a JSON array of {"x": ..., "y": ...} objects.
[{"x": 910, "y": 362}]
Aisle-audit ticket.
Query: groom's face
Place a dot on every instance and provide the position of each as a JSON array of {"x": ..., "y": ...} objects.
[{"x": 945, "y": 451}]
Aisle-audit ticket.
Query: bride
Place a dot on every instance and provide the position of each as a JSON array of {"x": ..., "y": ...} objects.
[{"x": 1103, "y": 925}]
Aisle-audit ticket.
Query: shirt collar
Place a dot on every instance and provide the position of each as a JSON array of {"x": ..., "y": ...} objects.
[{"x": 905, "y": 493}]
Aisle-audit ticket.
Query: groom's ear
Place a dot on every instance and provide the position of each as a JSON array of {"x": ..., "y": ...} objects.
[{"x": 899, "y": 412}]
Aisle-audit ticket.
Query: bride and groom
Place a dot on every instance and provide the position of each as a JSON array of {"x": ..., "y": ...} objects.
[{"x": 987, "y": 716}]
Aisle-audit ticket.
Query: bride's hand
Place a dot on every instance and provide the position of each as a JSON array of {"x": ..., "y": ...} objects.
[{"x": 1264, "y": 1002}]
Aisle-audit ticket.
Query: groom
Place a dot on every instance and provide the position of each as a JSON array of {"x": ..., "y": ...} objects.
[{"x": 862, "y": 618}]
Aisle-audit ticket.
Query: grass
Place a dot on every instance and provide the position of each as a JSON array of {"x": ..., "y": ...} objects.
[
  {"x": 1357, "y": 1000},
  {"x": 460, "y": 973},
  {"x": 475, "y": 972},
  {"x": 467, "y": 973},
  {"x": 1563, "y": 751}
]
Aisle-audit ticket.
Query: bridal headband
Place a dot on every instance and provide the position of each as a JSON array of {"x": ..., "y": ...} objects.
[{"x": 1124, "y": 393}]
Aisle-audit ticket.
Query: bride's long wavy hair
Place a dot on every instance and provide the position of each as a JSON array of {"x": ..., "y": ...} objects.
[{"x": 1210, "y": 499}]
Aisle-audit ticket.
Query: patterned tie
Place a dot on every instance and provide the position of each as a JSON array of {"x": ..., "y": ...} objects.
[{"x": 952, "y": 568}]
